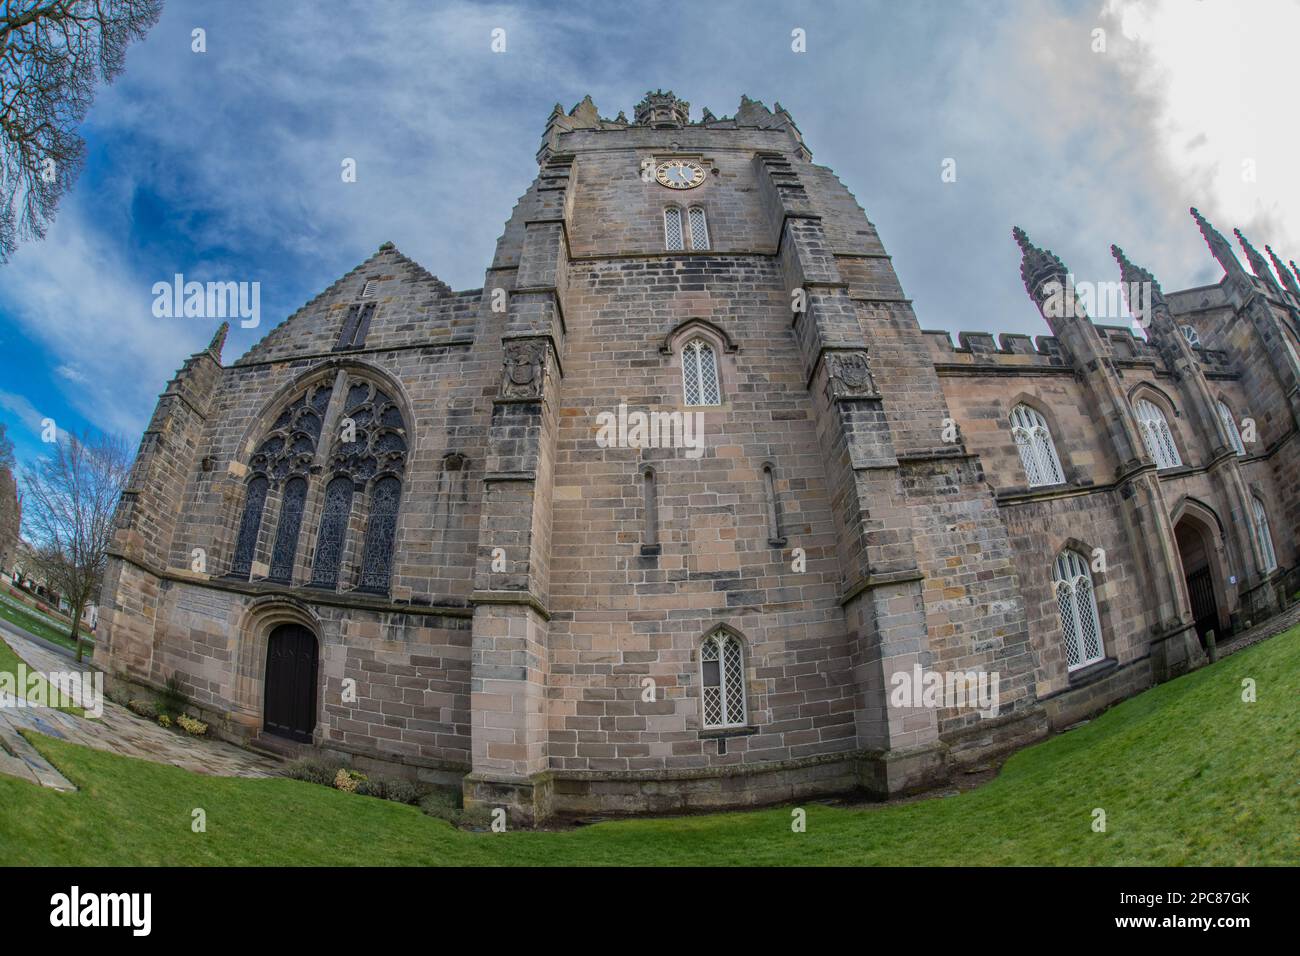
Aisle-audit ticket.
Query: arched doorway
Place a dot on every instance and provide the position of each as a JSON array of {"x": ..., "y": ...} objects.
[
  {"x": 290, "y": 705},
  {"x": 1198, "y": 554}
]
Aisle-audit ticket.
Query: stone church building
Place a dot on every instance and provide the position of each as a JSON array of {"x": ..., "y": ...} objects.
[{"x": 396, "y": 531}]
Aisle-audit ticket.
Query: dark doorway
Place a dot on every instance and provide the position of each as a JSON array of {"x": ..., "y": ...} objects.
[
  {"x": 1196, "y": 552},
  {"x": 1200, "y": 589},
  {"x": 291, "y": 683}
]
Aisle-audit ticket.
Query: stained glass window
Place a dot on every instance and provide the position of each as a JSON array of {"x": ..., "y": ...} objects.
[
  {"x": 246, "y": 543},
  {"x": 286, "y": 533},
  {"x": 333, "y": 532},
  {"x": 376, "y": 562}
]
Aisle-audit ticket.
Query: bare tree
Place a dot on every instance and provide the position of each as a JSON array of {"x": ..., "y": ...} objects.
[
  {"x": 52, "y": 54},
  {"x": 71, "y": 495},
  {"x": 11, "y": 504}
]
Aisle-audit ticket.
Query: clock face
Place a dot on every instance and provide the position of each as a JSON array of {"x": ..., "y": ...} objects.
[{"x": 680, "y": 174}]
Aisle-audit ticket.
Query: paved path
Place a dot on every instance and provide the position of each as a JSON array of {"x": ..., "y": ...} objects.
[
  {"x": 118, "y": 731},
  {"x": 1262, "y": 631}
]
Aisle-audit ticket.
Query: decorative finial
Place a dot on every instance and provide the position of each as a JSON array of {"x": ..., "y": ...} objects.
[
  {"x": 1283, "y": 272},
  {"x": 1257, "y": 263},
  {"x": 1219, "y": 247},
  {"x": 219, "y": 340},
  {"x": 1038, "y": 267},
  {"x": 1135, "y": 280}
]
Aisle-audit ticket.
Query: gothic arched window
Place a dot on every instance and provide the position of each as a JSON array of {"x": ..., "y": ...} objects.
[
  {"x": 333, "y": 532},
  {"x": 381, "y": 532},
  {"x": 1037, "y": 450},
  {"x": 1264, "y": 536},
  {"x": 1156, "y": 434},
  {"x": 1234, "y": 436},
  {"x": 1080, "y": 626},
  {"x": 673, "y": 234},
  {"x": 722, "y": 680},
  {"x": 285, "y": 456},
  {"x": 250, "y": 523},
  {"x": 1193, "y": 337},
  {"x": 700, "y": 374},
  {"x": 286, "y": 533},
  {"x": 699, "y": 227}
]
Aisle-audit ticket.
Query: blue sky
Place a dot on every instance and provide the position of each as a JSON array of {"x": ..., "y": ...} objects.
[{"x": 225, "y": 165}]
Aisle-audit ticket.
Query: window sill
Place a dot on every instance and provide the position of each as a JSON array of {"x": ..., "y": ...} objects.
[
  {"x": 713, "y": 733},
  {"x": 1092, "y": 672}
]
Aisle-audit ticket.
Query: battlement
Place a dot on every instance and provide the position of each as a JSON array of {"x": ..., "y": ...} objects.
[{"x": 1011, "y": 349}]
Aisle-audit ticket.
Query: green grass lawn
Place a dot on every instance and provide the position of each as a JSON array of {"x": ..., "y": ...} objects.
[
  {"x": 34, "y": 622},
  {"x": 8, "y": 665},
  {"x": 1187, "y": 774}
]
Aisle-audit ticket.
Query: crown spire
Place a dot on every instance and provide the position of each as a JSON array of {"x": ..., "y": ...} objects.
[{"x": 662, "y": 110}]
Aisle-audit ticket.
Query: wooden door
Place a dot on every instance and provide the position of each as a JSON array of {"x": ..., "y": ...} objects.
[{"x": 290, "y": 709}]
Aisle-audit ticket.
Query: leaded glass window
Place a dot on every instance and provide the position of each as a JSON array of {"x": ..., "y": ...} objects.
[
  {"x": 1037, "y": 450},
  {"x": 1156, "y": 434},
  {"x": 333, "y": 532},
  {"x": 1229, "y": 423},
  {"x": 1264, "y": 536},
  {"x": 700, "y": 374},
  {"x": 286, "y": 533},
  {"x": 722, "y": 680},
  {"x": 1193, "y": 337},
  {"x": 673, "y": 240},
  {"x": 699, "y": 228},
  {"x": 376, "y": 561},
  {"x": 1080, "y": 625},
  {"x": 246, "y": 542}
]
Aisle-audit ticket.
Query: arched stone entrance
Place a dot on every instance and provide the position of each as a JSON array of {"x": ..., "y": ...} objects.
[{"x": 1200, "y": 551}]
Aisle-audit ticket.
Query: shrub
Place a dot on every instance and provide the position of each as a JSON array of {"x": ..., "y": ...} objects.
[
  {"x": 314, "y": 770},
  {"x": 145, "y": 708},
  {"x": 391, "y": 788},
  {"x": 192, "y": 726},
  {"x": 164, "y": 720},
  {"x": 172, "y": 699},
  {"x": 348, "y": 780}
]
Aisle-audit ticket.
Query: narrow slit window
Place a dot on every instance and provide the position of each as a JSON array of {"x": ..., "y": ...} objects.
[
  {"x": 650, "y": 502},
  {"x": 774, "y": 535}
]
